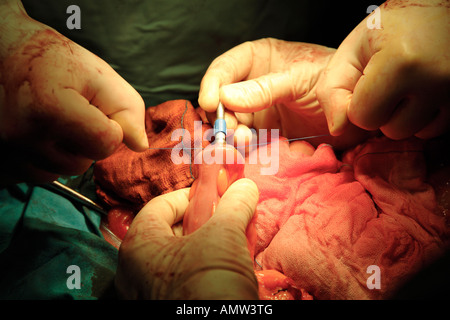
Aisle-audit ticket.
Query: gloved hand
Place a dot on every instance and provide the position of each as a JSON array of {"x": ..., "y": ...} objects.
[
  {"x": 211, "y": 263},
  {"x": 271, "y": 84},
  {"x": 61, "y": 107},
  {"x": 395, "y": 78}
]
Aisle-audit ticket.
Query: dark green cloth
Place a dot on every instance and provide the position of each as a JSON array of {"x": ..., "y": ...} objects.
[{"x": 42, "y": 234}]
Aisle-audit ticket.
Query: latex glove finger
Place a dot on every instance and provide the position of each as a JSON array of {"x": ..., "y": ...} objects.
[
  {"x": 157, "y": 217},
  {"x": 237, "y": 204},
  {"x": 334, "y": 91},
  {"x": 245, "y": 118},
  {"x": 237, "y": 64},
  {"x": 123, "y": 104},
  {"x": 260, "y": 93},
  {"x": 231, "y": 267},
  {"x": 70, "y": 152},
  {"x": 390, "y": 97},
  {"x": 232, "y": 66},
  {"x": 87, "y": 121},
  {"x": 392, "y": 102}
]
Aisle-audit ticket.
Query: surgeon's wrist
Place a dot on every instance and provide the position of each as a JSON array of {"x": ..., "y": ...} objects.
[
  {"x": 15, "y": 26},
  {"x": 10, "y": 12},
  {"x": 219, "y": 285}
]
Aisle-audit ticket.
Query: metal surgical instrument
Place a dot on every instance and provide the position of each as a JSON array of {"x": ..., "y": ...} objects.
[
  {"x": 220, "y": 126},
  {"x": 64, "y": 190}
]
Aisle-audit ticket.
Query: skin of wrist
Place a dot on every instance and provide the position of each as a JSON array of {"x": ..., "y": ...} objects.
[
  {"x": 218, "y": 285},
  {"x": 15, "y": 26},
  {"x": 10, "y": 11}
]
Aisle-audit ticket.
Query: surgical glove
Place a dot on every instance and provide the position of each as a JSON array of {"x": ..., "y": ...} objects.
[
  {"x": 392, "y": 72},
  {"x": 61, "y": 107},
  {"x": 271, "y": 84},
  {"x": 211, "y": 263}
]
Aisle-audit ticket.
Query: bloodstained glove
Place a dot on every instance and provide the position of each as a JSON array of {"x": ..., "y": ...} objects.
[
  {"x": 61, "y": 107},
  {"x": 211, "y": 263},
  {"x": 394, "y": 76},
  {"x": 271, "y": 84}
]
